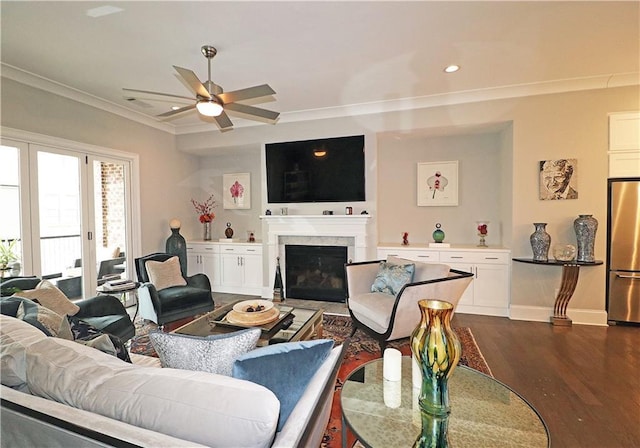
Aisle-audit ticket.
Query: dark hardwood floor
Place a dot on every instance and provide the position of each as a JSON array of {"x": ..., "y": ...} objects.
[{"x": 583, "y": 380}]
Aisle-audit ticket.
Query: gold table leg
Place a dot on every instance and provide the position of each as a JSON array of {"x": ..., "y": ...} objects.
[{"x": 570, "y": 274}]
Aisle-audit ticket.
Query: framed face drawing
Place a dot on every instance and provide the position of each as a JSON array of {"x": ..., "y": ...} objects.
[
  {"x": 437, "y": 184},
  {"x": 236, "y": 191},
  {"x": 558, "y": 179}
]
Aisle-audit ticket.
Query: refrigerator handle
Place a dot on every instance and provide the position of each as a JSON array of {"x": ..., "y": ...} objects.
[{"x": 631, "y": 276}]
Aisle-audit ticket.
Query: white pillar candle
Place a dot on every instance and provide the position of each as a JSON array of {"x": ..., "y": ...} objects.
[
  {"x": 392, "y": 393},
  {"x": 392, "y": 365}
]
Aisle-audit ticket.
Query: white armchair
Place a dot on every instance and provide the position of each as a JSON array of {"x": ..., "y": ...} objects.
[{"x": 387, "y": 318}]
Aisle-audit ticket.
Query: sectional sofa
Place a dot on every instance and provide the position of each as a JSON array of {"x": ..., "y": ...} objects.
[{"x": 58, "y": 393}]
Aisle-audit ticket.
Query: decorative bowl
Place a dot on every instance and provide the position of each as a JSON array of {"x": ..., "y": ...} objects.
[
  {"x": 253, "y": 307},
  {"x": 564, "y": 252}
]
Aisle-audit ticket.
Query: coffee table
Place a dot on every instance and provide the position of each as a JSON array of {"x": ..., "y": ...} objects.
[
  {"x": 484, "y": 412},
  {"x": 297, "y": 324}
]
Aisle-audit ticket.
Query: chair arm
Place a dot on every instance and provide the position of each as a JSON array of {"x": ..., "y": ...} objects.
[
  {"x": 152, "y": 292},
  {"x": 200, "y": 281},
  {"x": 360, "y": 277},
  {"x": 102, "y": 305}
]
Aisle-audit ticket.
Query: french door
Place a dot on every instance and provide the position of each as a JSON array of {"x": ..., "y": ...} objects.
[{"x": 70, "y": 212}]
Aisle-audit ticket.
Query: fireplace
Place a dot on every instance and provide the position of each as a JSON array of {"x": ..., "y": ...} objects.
[{"x": 315, "y": 272}]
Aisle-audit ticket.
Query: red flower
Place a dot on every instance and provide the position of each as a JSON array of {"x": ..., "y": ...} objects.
[{"x": 205, "y": 209}]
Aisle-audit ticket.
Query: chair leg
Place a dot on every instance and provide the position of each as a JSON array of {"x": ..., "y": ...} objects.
[
  {"x": 383, "y": 345},
  {"x": 355, "y": 328}
]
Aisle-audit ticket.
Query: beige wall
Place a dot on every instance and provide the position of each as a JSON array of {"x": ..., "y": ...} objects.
[
  {"x": 530, "y": 129},
  {"x": 571, "y": 125},
  {"x": 166, "y": 176}
]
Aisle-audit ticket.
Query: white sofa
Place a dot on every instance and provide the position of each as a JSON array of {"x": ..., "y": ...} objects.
[{"x": 58, "y": 393}]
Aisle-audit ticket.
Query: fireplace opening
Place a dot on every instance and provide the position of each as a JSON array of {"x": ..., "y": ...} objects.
[{"x": 315, "y": 272}]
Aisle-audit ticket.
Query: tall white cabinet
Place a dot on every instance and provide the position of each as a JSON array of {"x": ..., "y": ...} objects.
[
  {"x": 489, "y": 292},
  {"x": 624, "y": 144},
  {"x": 231, "y": 267}
]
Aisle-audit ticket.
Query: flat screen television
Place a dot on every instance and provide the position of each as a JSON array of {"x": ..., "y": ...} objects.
[{"x": 324, "y": 170}]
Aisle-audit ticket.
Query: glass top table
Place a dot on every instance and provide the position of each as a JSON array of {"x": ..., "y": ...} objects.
[
  {"x": 298, "y": 324},
  {"x": 484, "y": 412}
]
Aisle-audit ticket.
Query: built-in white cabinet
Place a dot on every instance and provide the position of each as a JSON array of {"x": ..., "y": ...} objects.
[
  {"x": 231, "y": 267},
  {"x": 241, "y": 268},
  {"x": 624, "y": 144},
  {"x": 489, "y": 292}
]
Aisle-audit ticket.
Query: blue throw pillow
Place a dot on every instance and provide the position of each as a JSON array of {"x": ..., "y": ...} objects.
[
  {"x": 392, "y": 277},
  {"x": 285, "y": 369}
]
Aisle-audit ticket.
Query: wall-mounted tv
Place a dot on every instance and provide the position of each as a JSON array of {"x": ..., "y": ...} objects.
[{"x": 325, "y": 170}]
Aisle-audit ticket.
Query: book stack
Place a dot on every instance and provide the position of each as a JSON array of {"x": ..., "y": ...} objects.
[{"x": 119, "y": 285}]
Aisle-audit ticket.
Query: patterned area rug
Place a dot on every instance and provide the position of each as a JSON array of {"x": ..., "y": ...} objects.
[{"x": 361, "y": 350}]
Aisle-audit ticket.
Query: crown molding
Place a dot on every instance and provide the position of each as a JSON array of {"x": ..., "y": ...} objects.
[
  {"x": 38, "y": 82},
  {"x": 422, "y": 102}
]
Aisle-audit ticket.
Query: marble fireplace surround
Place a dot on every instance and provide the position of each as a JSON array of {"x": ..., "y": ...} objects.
[{"x": 316, "y": 230}]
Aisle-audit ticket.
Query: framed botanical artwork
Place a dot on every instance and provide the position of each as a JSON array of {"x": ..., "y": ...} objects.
[
  {"x": 438, "y": 183},
  {"x": 558, "y": 179},
  {"x": 236, "y": 191}
]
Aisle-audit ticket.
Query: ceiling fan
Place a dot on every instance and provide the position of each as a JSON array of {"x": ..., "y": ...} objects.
[{"x": 212, "y": 101}]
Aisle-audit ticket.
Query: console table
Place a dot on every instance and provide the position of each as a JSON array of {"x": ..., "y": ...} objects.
[{"x": 570, "y": 273}]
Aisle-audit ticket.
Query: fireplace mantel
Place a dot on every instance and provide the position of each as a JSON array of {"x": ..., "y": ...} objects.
[{"x": 351, "y": 226}]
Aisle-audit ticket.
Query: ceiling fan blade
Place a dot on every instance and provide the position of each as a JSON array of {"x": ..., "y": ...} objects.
[
  {"x": 223, "y": 121},
  {"x": 193, "y": 81},
  {"x": 246, "y": 94},
  {"x": 159, "y": 93},
  {"x": 252, "y": 111},
  {"x": 177, "y": 111}
]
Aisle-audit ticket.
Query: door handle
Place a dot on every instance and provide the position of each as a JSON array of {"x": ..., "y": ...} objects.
[{"x": 630, "y": 276}]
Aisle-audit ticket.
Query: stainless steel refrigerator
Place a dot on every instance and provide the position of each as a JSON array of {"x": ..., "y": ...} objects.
[{"x": 623, "y": 250}]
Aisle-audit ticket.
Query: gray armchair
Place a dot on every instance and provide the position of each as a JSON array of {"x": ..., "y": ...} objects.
[
  {"x": 387, "y": 318},
  {"x": 176, "y": 302}
]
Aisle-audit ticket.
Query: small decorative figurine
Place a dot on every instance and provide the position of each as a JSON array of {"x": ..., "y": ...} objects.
[
  {"x": 251, "y": 238},
  {"x": 268, "y": 212},
  {"x": 228, "y": 232},
  {"x": 405, "y": 238},
  {"x": 438, "y": 234}
]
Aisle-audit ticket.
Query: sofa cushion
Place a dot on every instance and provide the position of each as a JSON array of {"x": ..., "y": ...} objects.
[
  {"x": 285, "y": 369},
  {"x": 423, "y": 271},
  {"x": 392, "y": 277},
  {"x": 56, "y": 325},
  {"x": 48, "y": 295},
  {"x": 164, "y": 274},
  {"x": 373, "y": 310},
  {"x": 178, "y": 298},
  {"x": 214, "y": 354},
  {"x": 15, "y": 337},
  {"x": 212, "y": 410}
]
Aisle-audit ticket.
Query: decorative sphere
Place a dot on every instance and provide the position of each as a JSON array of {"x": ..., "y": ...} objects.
[
  {"x": 438, "y": 234},
  {"x": 174, "y": 223}
]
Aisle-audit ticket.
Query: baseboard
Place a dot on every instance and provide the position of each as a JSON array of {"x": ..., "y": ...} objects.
[{"x": 543, "y": 314}]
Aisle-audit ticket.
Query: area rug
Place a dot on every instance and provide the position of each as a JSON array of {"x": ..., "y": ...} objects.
[{"x": 361, "y": 350}]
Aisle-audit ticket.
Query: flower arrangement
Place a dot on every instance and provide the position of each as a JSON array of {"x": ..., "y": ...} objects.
[
  {"x": 482, "y": 229},
  {"x": 205, "y": 209}
]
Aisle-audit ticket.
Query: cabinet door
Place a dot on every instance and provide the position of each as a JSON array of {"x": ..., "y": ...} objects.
[
  {"x": 252, "y": 265},
  {"x": 468, "y": 296},
  {"x": 210, "y": 267},
  {"x": 194, "y": 265},
  {"x": 491, "y": 285},
  {"x": 231, "y": 270}
]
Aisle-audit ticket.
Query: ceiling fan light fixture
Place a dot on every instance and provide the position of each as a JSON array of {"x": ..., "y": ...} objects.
[
  {"x": 451, "y": 68},
  {"x": 209, "y": 107}
]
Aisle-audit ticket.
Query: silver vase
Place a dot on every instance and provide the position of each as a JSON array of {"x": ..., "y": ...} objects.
[
  {"x": 585, "y": 227},
  {"x": 207, "y": 231},
  {"x": 540, "y": 242}
]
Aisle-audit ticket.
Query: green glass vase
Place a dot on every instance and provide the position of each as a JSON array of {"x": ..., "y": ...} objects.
[
  {"x": 434, "y": 432},
  {"x": 436, "y": 349}
]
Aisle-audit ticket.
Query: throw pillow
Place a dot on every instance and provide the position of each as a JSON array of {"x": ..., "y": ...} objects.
[
  {"x": 56, "y": 325},
  {"x": 164, "y": 274},
  {"x": 392, "y": 277},
  {"x": 424, "y": 271},
  {"x": 48, "y": 295},
  {"x": 214, "y": 354},
  {"x": 86, "y": 334},
  {"x": 285, "y": 369}
]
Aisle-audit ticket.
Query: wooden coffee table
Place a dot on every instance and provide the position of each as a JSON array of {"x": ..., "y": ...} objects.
[{"x": 295, "y": 324}]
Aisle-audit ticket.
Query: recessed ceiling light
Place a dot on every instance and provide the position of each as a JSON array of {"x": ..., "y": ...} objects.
[
  {"x": 175, "y": 107},
  {"x": 451, "y": 68},
  {"x": 103, "y": 11}
]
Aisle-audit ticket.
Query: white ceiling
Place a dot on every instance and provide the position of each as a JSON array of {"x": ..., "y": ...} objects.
[{"x": 322, "y": 58}]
